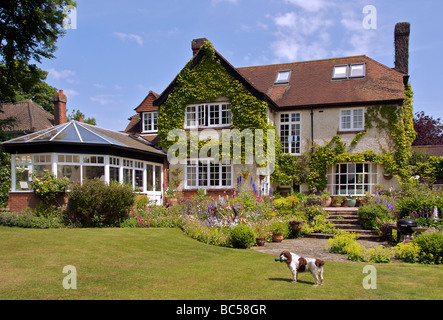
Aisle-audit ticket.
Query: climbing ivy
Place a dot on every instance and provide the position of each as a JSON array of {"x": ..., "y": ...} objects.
[
  {"x": 206, "y": 81},
  {"x": 311, "y": 167}
]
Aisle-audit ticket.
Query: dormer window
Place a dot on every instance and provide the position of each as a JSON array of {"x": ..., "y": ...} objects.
[
  {"x": 349, "y": 71},
  {"x": 283, "y": 77},
  {"x": 149, "y": 121}
]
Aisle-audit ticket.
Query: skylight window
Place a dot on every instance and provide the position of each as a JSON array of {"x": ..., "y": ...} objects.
[
  {"x": 283, "y": 77},
  {"x": 346, "y": 71},
  {"x": 340, "y": 72},
  {"x": 357, "y": 70}
]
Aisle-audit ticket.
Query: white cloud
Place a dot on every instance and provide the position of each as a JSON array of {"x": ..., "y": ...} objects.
[
  {"x": 104, "y": 99},
  {"x": 214, "y": 2},
  {"x": 70, "y": 93},
  {"x": 301, "y": 35},
  {"x": 62, "y": 74},
  {"x": 309, "y": 5},
  {"x": 319, "y": 29},
  {"x": 129, "y": 36}
]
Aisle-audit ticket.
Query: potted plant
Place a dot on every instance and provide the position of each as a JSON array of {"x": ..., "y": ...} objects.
[
  {"x": 260, "y": 238},
  {"x": 351, "y": 202},
  {"x": 278, "y": 230},
  {"x": 296, "y": 226},
  {"x": 325, "y": 199},
  {"x": 337, "y": 201},
  {"x": 313, "y": 200}
]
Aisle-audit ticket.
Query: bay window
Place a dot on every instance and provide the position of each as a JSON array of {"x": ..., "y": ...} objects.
[{"x": 352, "y": 178}]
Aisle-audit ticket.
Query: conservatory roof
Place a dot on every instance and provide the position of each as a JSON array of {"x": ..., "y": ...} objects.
[{"x": 75, "y": 132}]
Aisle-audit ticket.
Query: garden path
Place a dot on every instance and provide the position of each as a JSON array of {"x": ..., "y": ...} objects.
[{"x": 312, "y": 248}]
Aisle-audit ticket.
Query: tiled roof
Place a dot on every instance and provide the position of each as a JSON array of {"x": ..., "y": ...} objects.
[
  {"x": 29, "y": 116},
  {"x": 432, "y": 150},
  {"x": 147, "y": 103},
  {"x": 311, "y": 83}
]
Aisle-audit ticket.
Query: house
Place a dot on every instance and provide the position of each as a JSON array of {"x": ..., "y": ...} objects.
[
  {"x": 80, "y": 151},
  {"x": 28, "y": 117},
  {"x": 354, "y": 101}
]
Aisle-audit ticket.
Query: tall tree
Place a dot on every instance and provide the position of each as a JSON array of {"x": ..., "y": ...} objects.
[
  {"x": 429, "y": 130},
  {"x": 29, "y": 30},
  {"x": 77, "y": 114}
]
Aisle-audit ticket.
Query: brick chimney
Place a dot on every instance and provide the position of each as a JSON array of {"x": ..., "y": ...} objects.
[
  {"x": 401, "y": 42},
  {"x": 59, "y": 100},
  {"x": 196, "y": 45}
]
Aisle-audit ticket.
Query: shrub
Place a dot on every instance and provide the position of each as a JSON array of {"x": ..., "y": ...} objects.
[
  {"x": 419, "y": 201},
  {"x": 29, "y": 220},
  {"x": 368, "y": 215},
  {"x": 378, "y": 255},
  {"x": 407, "y": 251},
  {"x": 47, "y": 186},
  {"x": 215, "y": 236},
  {"x": 431, "y": 247},
  {"x": 242, "y": 236},
  {"x": 341, "y": 240},
  {"x": 313, "y": 211},
  {"x": 97, "y": 204},
  {"x": 355, "y": 251}
]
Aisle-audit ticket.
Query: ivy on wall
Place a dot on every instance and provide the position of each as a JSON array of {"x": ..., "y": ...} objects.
[
  {"x": 311, "y": 168},
  {"x": 205, "y": 82}
]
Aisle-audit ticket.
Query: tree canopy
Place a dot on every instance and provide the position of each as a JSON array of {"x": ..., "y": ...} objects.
[{"x": 429, "y": 130}]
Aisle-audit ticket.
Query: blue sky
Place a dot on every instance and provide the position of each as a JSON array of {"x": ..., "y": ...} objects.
[{"x": 122, "y": 49}]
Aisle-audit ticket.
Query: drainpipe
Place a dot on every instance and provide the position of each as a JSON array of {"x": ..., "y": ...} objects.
[{"x": 312, "y": 127}]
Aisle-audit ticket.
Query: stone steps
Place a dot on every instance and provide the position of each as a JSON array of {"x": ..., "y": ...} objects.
[{"x": 346, "y": 219}]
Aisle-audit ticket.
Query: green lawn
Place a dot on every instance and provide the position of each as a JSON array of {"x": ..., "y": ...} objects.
[{"x": 166, "y": 264}]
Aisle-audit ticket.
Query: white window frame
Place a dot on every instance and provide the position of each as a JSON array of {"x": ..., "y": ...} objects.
[
  {"x": 363, "y": 65},
  {"x": 198, "y": 164},
  {"x": 201, "y": 113},
  {"x": 350, "y": 182},
  {"x": 278, "y": 80},
  {"x": 150, "y": 122},
  {"x": 348, "y": 74},
  {"x": 352, "y": 119},
  {"x": 28, "y": 162},
  {"x": 292, "y": 143}
]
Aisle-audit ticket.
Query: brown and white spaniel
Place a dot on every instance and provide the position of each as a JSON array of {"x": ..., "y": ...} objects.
[{"x": 298, "y": 264}]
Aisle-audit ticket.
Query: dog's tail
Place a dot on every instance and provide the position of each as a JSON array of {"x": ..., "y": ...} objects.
[{"x": 319, "y": 263}]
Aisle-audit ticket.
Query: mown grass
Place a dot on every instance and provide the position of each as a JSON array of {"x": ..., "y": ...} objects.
[{"x": 166, "y": 264}]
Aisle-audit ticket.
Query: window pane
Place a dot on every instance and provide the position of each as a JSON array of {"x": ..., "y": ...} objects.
[
  {"x": 150, "y": 178},
  {"x": 190, "y": 116},
  {"x": 214, "y": 114},
  {"x": 72, "y": 172},
  {"x": 158, "y": 178},
  {"x": 127, "y": 176},
  {"x": 357, "y": 70},
  {"x": 138, "y": 180},
  {"x": 340, "y": 72},
  {"x": 202, "y": 173},
  {"x": 114, "y": 174},
  {"x": 22, "y": 178},
  {"x": 226, "y": 113},
  {"x": 358, "y": 119},
  {"x": 94, "y": 172}
]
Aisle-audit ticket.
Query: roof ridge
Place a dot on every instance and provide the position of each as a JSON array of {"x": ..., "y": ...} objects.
[
  {"x": 307, "y": 61},
  {"x": 31, "y": 114}
]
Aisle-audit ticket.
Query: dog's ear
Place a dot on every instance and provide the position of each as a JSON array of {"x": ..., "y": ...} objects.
[{"x": 288, "y": 256}]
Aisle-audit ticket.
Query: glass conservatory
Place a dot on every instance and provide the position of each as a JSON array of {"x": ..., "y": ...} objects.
[{"x": 80, "y": 151}]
